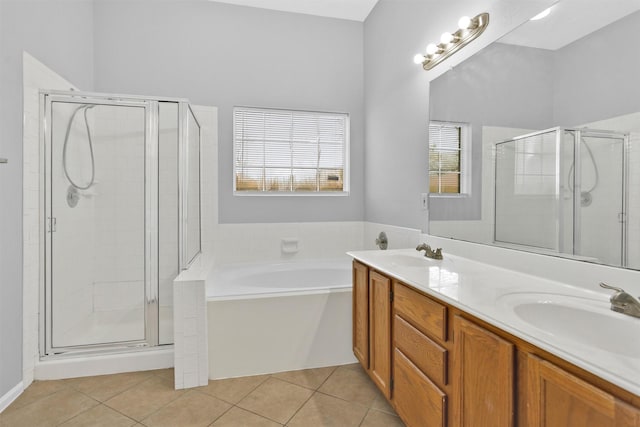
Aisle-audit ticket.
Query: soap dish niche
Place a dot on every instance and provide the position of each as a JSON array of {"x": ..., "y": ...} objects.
[{"x": 289, "y": 245}]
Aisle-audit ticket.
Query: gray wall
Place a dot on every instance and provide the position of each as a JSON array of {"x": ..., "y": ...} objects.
[
  {"x": 502, "y": 85},
  {"x": 397, "y": 94},
  {"x": 60, "y": 35},
  {"x": 596, "y": 76},
  {"x": 396, "y": 102},
  {"x": 224, "y": 55}
]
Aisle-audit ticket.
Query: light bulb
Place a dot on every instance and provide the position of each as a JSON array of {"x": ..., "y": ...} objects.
[
  {"x": 418, "y": 58},
  {"x": 446, "y": 38},
  {"x": 431, "y": 49},
  {"x": 464, "y": 22}
]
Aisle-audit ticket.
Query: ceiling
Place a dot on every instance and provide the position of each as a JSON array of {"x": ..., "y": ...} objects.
[
  {"x": 569, "y": 21},
  {"x": 355, "y": 10}
]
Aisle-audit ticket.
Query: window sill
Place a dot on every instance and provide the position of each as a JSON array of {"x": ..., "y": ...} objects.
[
  {"x": 449, "y": 196},
  {"x": 290, "y": 194}
]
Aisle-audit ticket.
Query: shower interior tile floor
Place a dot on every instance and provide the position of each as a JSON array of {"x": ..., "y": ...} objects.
[{"x": 338, "y": 396}]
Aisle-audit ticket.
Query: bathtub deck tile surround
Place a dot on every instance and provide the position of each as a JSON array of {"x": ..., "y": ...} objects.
[
  {"x": 147, "y": 399},
  {"x": 191, "y": 359}
]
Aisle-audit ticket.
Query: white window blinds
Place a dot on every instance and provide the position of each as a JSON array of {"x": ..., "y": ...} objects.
[
  {"x": 445, "y": 148},
  {"x": 289, "y": 151}
]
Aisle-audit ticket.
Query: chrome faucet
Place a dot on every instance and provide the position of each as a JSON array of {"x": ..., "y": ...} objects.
[
  {"x": 622, "y": 302},
  {"x": 428, "y": 252},
  {"x": 382, "y": 240}
]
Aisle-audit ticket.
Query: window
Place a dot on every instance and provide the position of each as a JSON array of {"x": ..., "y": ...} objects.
[
  {"x": 290, "y": 152},
  {"x": 449, "y": 161}
]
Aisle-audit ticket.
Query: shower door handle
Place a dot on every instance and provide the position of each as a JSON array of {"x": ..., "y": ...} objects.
[
  {"x": 52, "y": 222},
  {"x": 4, "y": 160}
]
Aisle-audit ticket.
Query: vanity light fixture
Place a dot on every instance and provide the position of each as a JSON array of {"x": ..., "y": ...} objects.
[{"x": 450, "y": 43}]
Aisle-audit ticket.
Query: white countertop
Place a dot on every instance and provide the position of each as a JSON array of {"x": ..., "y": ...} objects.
[{"x": 502, "y": 297}]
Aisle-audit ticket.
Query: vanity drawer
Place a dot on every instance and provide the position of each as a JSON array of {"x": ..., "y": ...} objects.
[
  {"x": 428, "y": 356},
  {"x": 428, "y": 316},
  {"x": 418, "y": 401}
]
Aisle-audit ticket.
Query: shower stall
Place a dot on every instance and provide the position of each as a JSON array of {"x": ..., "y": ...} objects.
[
  {"x": 121, "y": 201},
  {"x": 564, "y": 190}
]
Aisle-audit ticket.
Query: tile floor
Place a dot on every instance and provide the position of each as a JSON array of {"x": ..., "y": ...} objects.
[{"x": 339, "y": 396}]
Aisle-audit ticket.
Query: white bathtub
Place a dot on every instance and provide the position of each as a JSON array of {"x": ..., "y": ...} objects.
[{"x": 283, "y": 316}]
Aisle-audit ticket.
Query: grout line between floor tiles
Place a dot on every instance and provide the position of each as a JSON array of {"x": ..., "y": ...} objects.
[
  {"x": 163, "y": 406},
  {"x": 301, "y": 406},
  {"x": 124, "y": 415},
  {"x": 343, "y": 399},
  {"x": 364, "y": 418},
  {"x": 35, "y": 401},
  {"x": 162, "y": 378},
  {"x": 110, "y": 397},
  {"x": 259, "y": 415},
  {"x": 267, "y": 377},
  {"x": 221, "y": 415},
  {"x": 300, "y": 385},
  {"x": 82, "y": 412},
  {"x": 78, "y": 414},
  {"x": 64, "y": 385}
]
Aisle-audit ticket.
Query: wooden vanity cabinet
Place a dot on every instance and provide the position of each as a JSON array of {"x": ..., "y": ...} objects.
[
  {"x": 420, "y": 358},
  {"x": 439, "y": 366},
  {"x": 557, "y": 398},
  {"x": 360, "y": 311},
  {"x": 483, "y": 377},
  {"x": 380, "y": 331},
  {"x": 372, "y": 324}
]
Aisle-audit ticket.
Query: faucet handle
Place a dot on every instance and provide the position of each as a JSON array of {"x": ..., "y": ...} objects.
[
  {"x": 613, "y": 288},
  {"x": 382, "y": 240},
  {"x": 622, "y": 302},
  {"x": 621, "y": 299}
]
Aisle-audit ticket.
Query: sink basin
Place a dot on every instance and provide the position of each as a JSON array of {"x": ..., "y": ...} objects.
[
  {"x": 403, "y": 260},
  {"x": 573, "y": 319}
]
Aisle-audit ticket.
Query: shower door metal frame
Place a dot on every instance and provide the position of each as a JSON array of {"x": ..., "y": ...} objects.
[
  {"x": 184, "y": 110},
  {"x": 151, "y": 255},
  {"x": 561, "y": 170},
  {"x": 577, "y": 190}
]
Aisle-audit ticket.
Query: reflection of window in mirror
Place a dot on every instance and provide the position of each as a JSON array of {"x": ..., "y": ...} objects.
[{"x": 449, "y": 159}]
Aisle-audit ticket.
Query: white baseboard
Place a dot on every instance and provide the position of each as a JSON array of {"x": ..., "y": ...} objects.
[{"x": 10, "y": 396}]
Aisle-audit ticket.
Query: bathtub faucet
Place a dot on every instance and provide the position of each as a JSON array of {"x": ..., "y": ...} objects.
[{"x": 428, "y": 252}]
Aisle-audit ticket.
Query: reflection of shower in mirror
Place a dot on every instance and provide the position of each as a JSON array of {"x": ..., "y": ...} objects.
[
  {"x": 73, "y": 194},
  {"x": 585, "y": 195},
  {"x": 562, "y": 190}
]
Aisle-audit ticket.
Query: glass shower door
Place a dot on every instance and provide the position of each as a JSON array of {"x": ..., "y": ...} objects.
[
  {"x": 600, "y": 222},
  {"x": 97, "y": 205},
  {"x": 528, "y": 199}
]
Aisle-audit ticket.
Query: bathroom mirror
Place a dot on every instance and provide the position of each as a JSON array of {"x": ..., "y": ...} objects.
[{"x": 553, "y": 110}]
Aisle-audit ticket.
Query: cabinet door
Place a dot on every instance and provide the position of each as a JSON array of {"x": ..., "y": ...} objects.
[
  {"x": 380, "y": 331},
  {"x": 557, "y": 398},
  {"x": 418, "y": 401},
  {"x": 361, "y": 313},
  {"x": 483, "y": 377}
]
